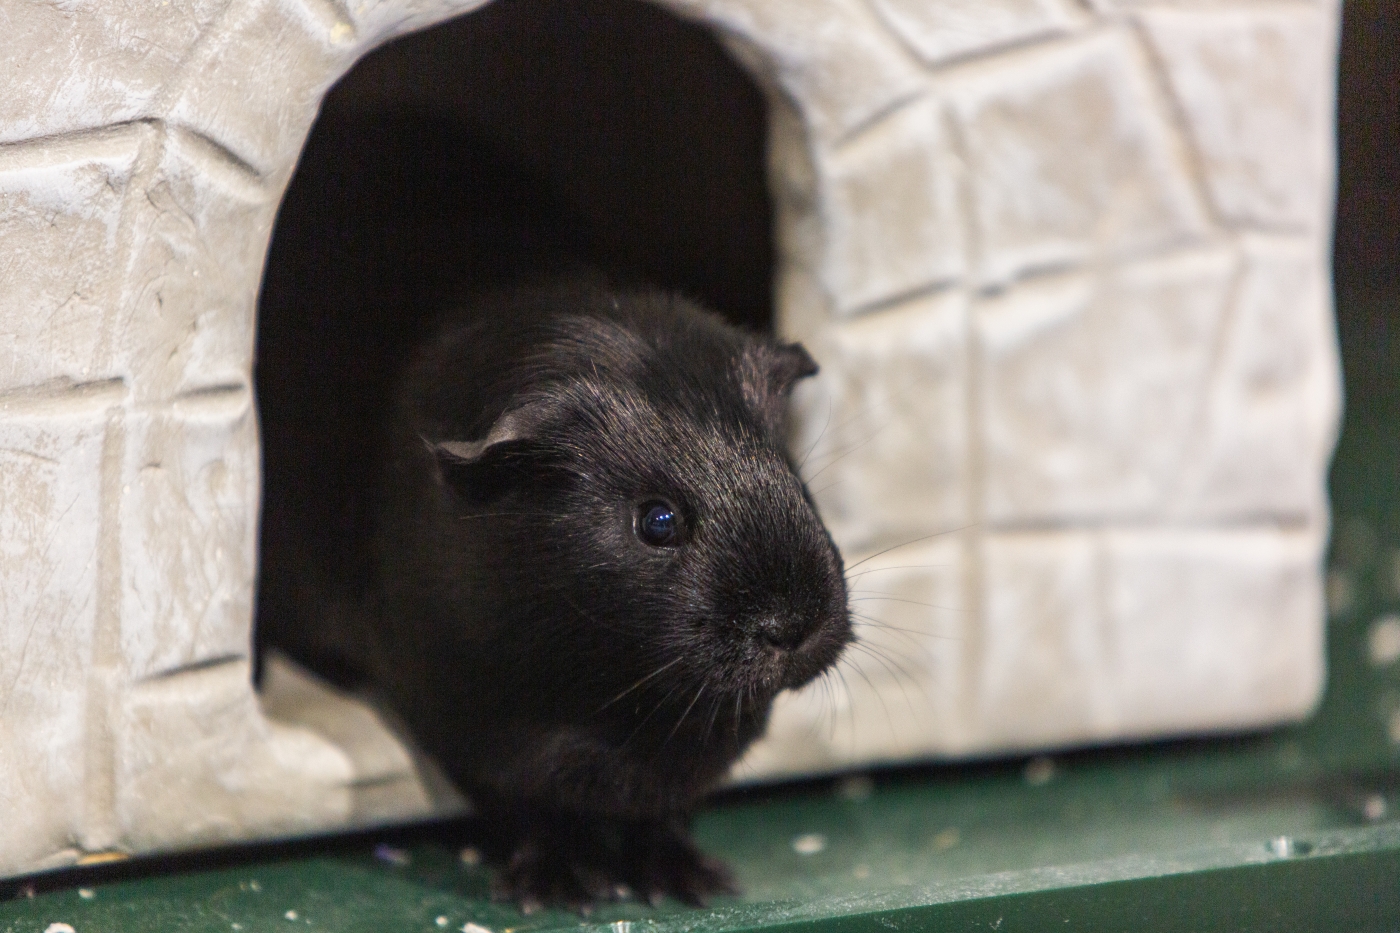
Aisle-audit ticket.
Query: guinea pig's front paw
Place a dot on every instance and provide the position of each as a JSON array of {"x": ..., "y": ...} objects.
[
  {"x": 577, "y": 865},
  {"x": 540, "y": 873},
  {"x": 669, "y": 864}
]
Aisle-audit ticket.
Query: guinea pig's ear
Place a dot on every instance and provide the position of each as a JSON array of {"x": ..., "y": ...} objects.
[
  {"x": 482, "y": 470},
  {"x": 791, "y": 363},
  {"x": 767, "y": 381}
]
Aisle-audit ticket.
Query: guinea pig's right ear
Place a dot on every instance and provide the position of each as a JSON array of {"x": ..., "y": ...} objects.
[
  {"x": 482, "y": 470},
  {"x": 791, "y": 362},
  {"x": 768, "y": 381}
]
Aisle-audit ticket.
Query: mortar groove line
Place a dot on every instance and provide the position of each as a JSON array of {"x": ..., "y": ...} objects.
[
  {"x": 137, "y": 194},
  {"x": 62, "y": 397},
  {"x": 972, "y": 537},
  {"x": 100, "y": 824},
  {"x": 973, "y": 65},
  {"x": 1295, "y": 523},
  {"x": 1008, "y": 47},
  {"x": 892, "y": 31},
  {"x": 112, "y": 139},
  {"x": 219, "y": 159},
  {"x": 193, "y": 667},
  {"x": 1101, "y": 264},
  {"x": 898, "y": 50},
  {"x": 179, "y": 75},
  {"x": 889, "y": 302},
  {"x": 1219, "y": 344},
  {"x": 974, "y": 644},
  {"x": 220, "y": 404},
  {"x": 1327, "y": 210},
  {"x": 1223, "y": 6},
  {"x": 1169, "y": 107},
  {"x": 1283, "y": 523},
  {"x": 1105, "y": 685},
  {"x": 853, "y": 134},
  {"x": 221, "y": 391},
  {"x": 218, "y": 31}
]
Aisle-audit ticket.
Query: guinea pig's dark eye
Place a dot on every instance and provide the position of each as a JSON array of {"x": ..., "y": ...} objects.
[{"x": 658, "y": 524}]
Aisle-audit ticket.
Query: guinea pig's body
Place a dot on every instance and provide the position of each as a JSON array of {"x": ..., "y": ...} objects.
[{"x": 593, "y": 568}]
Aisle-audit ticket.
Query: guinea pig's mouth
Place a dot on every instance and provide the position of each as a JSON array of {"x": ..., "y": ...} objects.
[{"x": 794, "y": 659}]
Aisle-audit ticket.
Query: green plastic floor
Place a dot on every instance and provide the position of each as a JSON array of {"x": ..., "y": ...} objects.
[
  {"x": 1297, "y": 829},
  {"x": 1106, "y": 843}
]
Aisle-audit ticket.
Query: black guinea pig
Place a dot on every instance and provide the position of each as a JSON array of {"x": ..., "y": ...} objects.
[{"x": 593, "y": 567}]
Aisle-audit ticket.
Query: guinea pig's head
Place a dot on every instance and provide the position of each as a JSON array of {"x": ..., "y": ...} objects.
[{"x": 645, "y": 509}]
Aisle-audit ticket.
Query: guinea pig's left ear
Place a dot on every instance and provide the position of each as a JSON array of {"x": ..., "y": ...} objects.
[
  {"x": 516, "y": 425},
  {"x": 791, "y": 363},
  {"x": 482, "y": 469}
]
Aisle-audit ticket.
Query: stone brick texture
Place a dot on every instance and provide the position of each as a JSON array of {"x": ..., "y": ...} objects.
[{"x": 1064, "y": 264}]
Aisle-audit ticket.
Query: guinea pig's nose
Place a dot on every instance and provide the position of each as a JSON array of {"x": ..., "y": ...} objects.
[{"x": 783, "y": 634}]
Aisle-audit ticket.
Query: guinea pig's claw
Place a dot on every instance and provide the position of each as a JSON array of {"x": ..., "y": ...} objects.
[
  {"x": 656, "y": 861},
  {"x": 676, "y": 868},
  {"x": 536, "y": 876}
]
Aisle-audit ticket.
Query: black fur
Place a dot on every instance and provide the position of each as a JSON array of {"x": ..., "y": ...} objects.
[{"x": 586, "y": 688}]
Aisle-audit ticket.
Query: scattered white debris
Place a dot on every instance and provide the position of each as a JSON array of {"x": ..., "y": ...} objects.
[
  {"x": 1385, "y": 640},
  {"x": 621, "y": 926},
  {"x": 290, "y": 915},
  {"x": 1374, "y": 807},
  {"x": 441, "y": 921},
  {"x": 254, "y": 886},
  {"x": 1039, "y": 770},
  {"x": 470, "y": 856},
  {"x": 1281, "y": 846},
  {"x": 58, "y": 928},
  {"x": 236, "y": 926},
  {"x": 809, "y": 843},
  {"x": 87, "y": 894},
  {"x": 470, "y": 927},
  {"x": 390, "y": 855}
]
